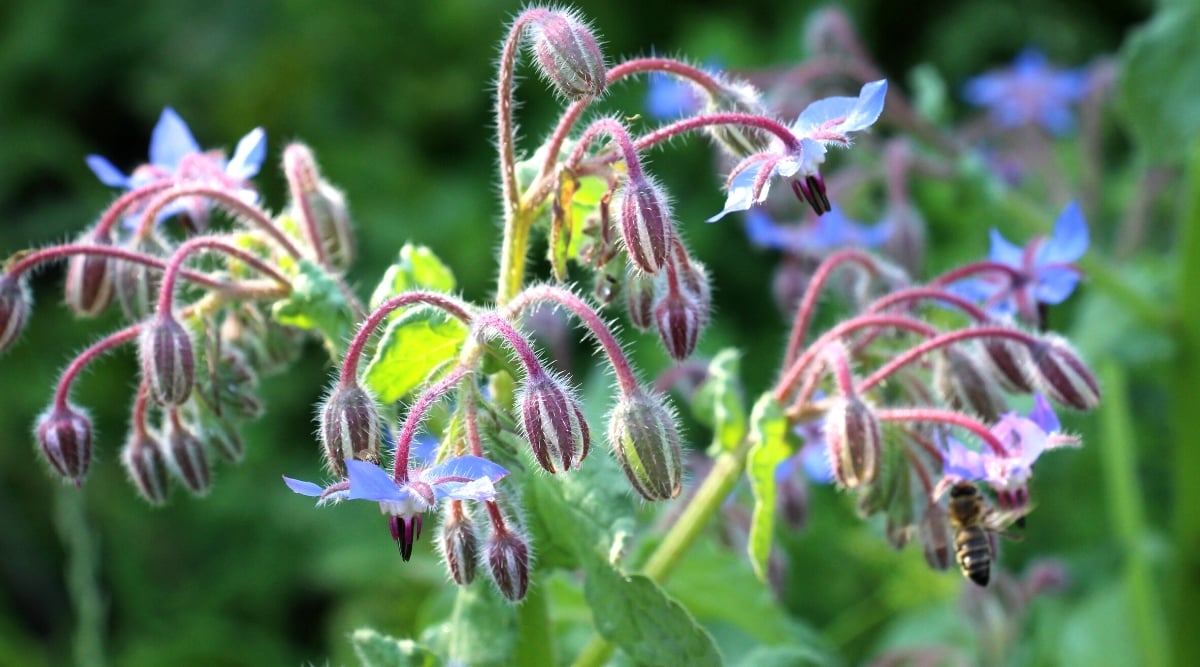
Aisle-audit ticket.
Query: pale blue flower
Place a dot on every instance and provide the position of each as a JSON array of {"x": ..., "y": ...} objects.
[
  {"x": 828, "y": 232},
  {"x": 1030, "y": 92}
]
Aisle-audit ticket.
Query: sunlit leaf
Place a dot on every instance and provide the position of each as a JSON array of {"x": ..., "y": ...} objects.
[
  {"x": 414, "y": 346},
  {"x": 316, "y": 304},
  {"x": 416, "y": 268},
  {"x": 719, "y": 404},
  {"x": 377, "y": 650},
  {"x": 768, "y": 433}
]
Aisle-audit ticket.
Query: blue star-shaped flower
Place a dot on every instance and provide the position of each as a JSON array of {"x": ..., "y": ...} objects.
[
  {"x": 828, "y": 232},
  {"x": 1029, "y": 92},
  {"x": 175, "y": 155},
  {"x": 461, "y": 478},
  {"x": 1045, "y": 270},
  {"x": 669, "y": 97},
  {"x": 827, "y": 122}
]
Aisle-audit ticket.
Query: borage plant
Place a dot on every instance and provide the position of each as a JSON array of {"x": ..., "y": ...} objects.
[{"x": 444, "y": 406}]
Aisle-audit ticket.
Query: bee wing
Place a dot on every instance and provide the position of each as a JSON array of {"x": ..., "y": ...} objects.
[{"x": 998, "y": 521}]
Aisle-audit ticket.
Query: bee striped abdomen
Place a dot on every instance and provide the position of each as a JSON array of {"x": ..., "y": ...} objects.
[{"x": 974, "y": 553}]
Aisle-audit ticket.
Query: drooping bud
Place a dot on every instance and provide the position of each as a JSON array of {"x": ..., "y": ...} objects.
[
  {"x": 553, "y": 422},
  {"x": 15, "y": 304},
  {"x": 185, "y": 456},
  {"x": 321, "y": 203},
  {"x": 89, "y": 287},
  {"x": 349, "y": 427},
  {"x": 168, "y": 363},
  {"x": 964, "y": 384},
  {"x": 458, "y": 543},
  {"x": 646, "y": 225},
  {"x": 233, "y": 384},
  {"x": 639, "y": 299},
  {"x": 136, "y": 285},
  {"x": 740, "y": 97},
  {"x": 937, "y": 541},
  {"x": 853, "y": 436},
  {"x": 507, "y": 555},
  {"x": 1010, "y": 360},
  {"x": 1058, "y": 372},
  {"x": 679, "y": 323},
  {"x": 64, "y": 434},
  {"x": 568, "y": 55},
  {"x": 143, "y": 459},
  {"x": 642, "y": 432}
]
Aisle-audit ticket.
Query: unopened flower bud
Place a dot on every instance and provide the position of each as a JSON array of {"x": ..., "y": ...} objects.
[
  {"x": 15, "y": 304},
  {"x": 1061, "y": 374},
  {"x": 853, "y": 435},
  {"x": 136, "y": 285},
  {"x": 642, "y": 432},
  {"x": 323, "y": 204},
  {"x": 693, "y": 278},
  {"x": 936, "y": 538},
  {"x": 646, "y": 226},
  {"x": 168, "y": 363},
  {"x": 64, "y": 433},
  {"x": 739, "y": 140},
  {"x": 568, "y": 56},
  {"x": 553, "y": 422},
  {"x": 89, "y": 287},
  {"x": 186, "y": 457},
  {"x": 639, "y": 299},
  {"x": 349, "y": 428},
  {"x": 683, "y": 310},
  {"x": 458, "y": 543},
  {"x": 1010, "y": 360},
  {"x": 964, "y": 384},
  {"x": 507, "y": 555},
  {"x": 792, "y": 500},
  {"x": 225, "y": 439},
  {"x": 143, "y": 459}
]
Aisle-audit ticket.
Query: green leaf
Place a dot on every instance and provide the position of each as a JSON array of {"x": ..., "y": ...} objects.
[
  {"x": 481, "y": 630},
  {"x": 718, "y": 403},
  {"x": 416, "y": 268},
  {"x": 784, "y": 656},
  {"x": 768, "y": 432},
  {"x": 316, "y": 304},
  {"x": 377, "y": 650},
  {"x": 632, "y": 612},
  {"x": 1160, "y": 82},
  {"x": 415, "y": 345}
]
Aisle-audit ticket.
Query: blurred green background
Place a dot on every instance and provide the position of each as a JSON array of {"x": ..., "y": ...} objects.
[{"x": 394, "y": 97}]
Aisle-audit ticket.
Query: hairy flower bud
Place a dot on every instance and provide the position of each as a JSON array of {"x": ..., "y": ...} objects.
[
  {"x": 568, "y": 55},
  {"x": 646, "y": 226},
  {"x": 316, "y": 200},
  {"x": 1061, "y": 374},
  {"x": 853, "y": 436},
  {"x": 738, "y": 140},
  {"x": 507, "y": 555},
  {"x": 679, "y": 323},
  {"x": 1009, "y": 360},
  {"x": 639, "y": 299},
  {"x": 89, "y": 286},
  {"x": 64, "y": 434},
  {"x": 963, "y": 384},
  {"x": 168, "y": 363},
  {"x": 186, "y": 457},
  {"x": 15, "y": 304},
  {"x": 143, "y": 459},
  {"x": 641, "y": 430},
  {"x": 553, "y": 422},
  {"x": 225, "y": 439},
  {"x": 136, "y": 285},
  {"x": 458, "y": 543},
  {"x": 350, "y": 427}
]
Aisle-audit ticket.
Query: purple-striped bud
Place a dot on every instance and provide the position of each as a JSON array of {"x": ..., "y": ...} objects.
[
  {"x": 185, "y": 457},
  {"x": 646, "y": 225},
  {"x": 323, "y": 205},
  {"x": 739, "y": 141},
  {"x": 853, "y": 436},
  {"x": 168, "y": 363},
  {"x": 89, "y": 287},
  {"x": 642, "y": 432},
  {"x": 136, "y": 285},
  {"x": 1010, "y": 361},
  {"x": 64, "y": 434},
  {"x": 350, "y": 428},
  {"x": 507, "y": 555},
  {"x": 964, "y": 384},
  {"x": 458, "y": 543},
  {"x": 682, "y": 311},
  {"x": 1058, "y": 372},
  {"x": 639, "y": 299},
  {"x": 553, "y": 422},
  {"x": 936, "y": 538},
  {"x": 143, "y": 459},
  {"x": 15, "y": 305},
  {"x": 568, "y": 55}
]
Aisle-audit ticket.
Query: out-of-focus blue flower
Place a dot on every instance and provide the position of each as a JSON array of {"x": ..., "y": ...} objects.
[
  {"x": 828, "y": 232},
  {"x": 669, "y": 97},
  {"x": 175, "y": 155},
  {"x": 827, "y": 122},
  {"x": 1029, "y": 92},
  {"x": 1046, "y": 270},
  {"x": 813, "y": 457}
]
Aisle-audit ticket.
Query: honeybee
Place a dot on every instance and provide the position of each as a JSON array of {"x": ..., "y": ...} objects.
[{"x": 974, "y": 524}]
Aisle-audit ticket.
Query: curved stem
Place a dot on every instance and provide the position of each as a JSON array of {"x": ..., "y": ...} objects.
[
  {"x": 224, "y": 199},
  {"x": 31, "y": 260},
  {"x": 302, "y": 182},
  {"x": 167, "y": 292},
  {"x": 809, "y": 303},
  {"x": 121, "y": 206},
  {"x": 446, "y": 303},
  {"x": 416, "y": 415},
  {"x": 505, "y": 135},
  {"x": 944, "y": 417},
  {"x": 614, "y": 129},
  {"x": 929, "y": 294},
  {"x": 515, "y": 339},
  {"x": 88, "y": 356},
  {"x": 697, "y": 122},
  {"x": 968, "y": 270},
  {"x": 943, "y": 340}
]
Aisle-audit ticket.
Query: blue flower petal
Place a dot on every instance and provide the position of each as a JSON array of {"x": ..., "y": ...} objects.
[
  {"x": 106, "y": 172},
  {"x": 423, "y": 450},
  {"x": 464, "y": 467},
  {"x": 762, "y": 230},
  {"x": 171, "y": 140},
  {"x": 814, "y": 457},
  {"x": 1069, "y": 241},
  {"x": 369, "y": 482},
  {"x": 668, "y": 97},
  {"x": 248, "y": 157},
  {"x": 1043, "y": 415},
  {"x": 1005, "y": 252},
  {"x": 302, "y": 487},
  {"x": 480, "y": 489},
  {"x": 741, "y": 191},
  {"x": 852, "y": 114},
  {"x": 1054, "y": 285}
]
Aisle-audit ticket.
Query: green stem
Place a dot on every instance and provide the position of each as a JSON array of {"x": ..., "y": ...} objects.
[
  {"x": 1128, "y": 518},
  {"x": 535, "y": 638},
  {"x": 703, "y": 505},
  {"x": 86, "y": 597},
  {"x": 512, "y": 253}
]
